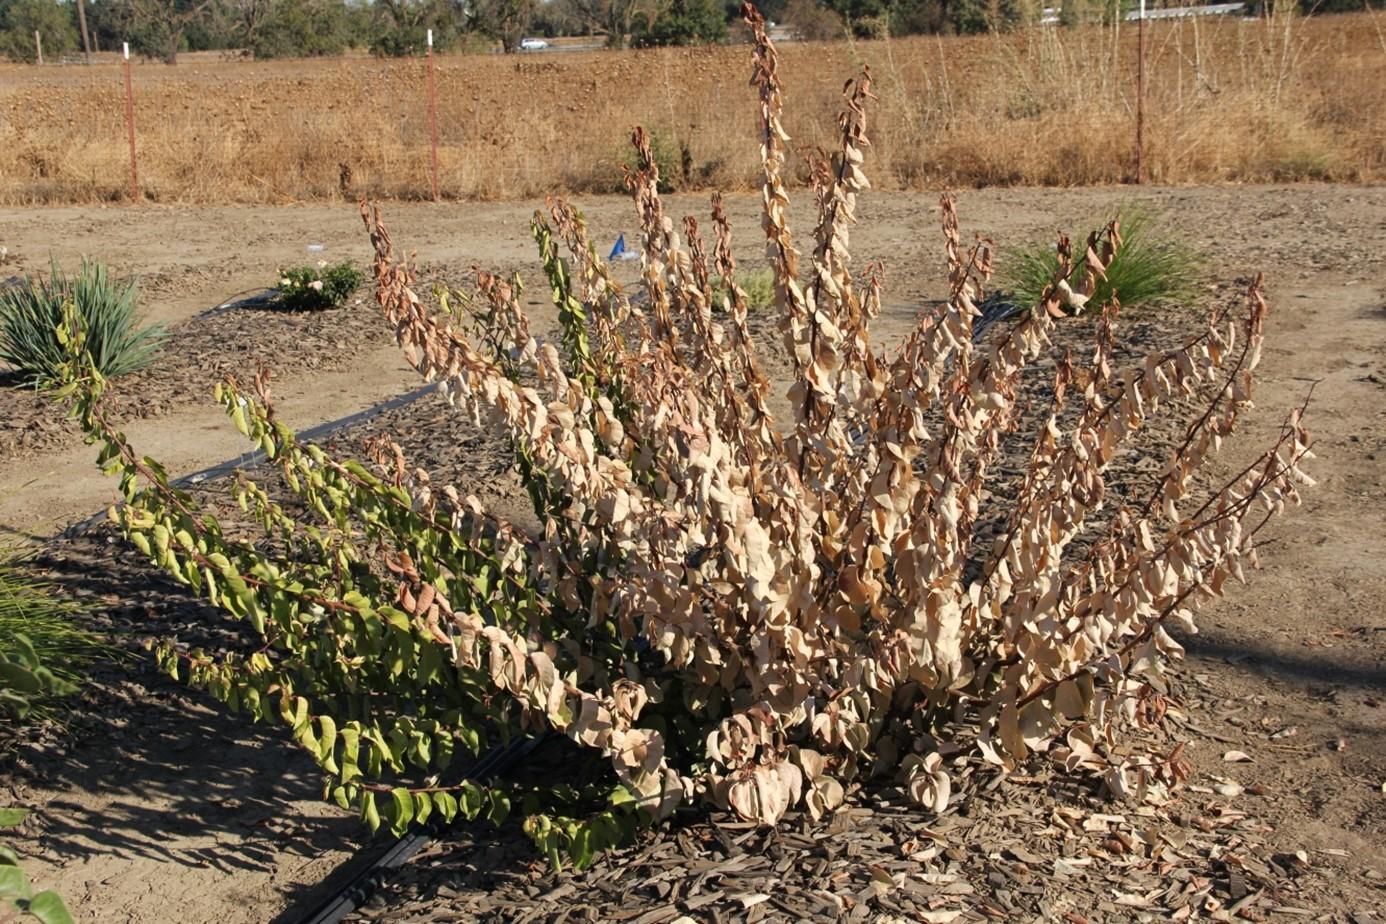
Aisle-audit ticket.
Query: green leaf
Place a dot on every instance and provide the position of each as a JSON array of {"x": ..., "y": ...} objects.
[
  {"x": 327, "y": 742},
  {"x": 369, "y": 813},
  {"x": 423, "y": 807},
  {"x": 9, "y": 817},
  {"x": 469, "y": 800},
  {"x": 551, "y": 847},
  {"x": 48, "y": 907},
  {"x": 580, "y": 848},
  {"x": 446, "y": 803},
  {"x": 401, "y": 809},
  {"x": 498, "y": 808},
  {"x": 19, "y": 677},
  {"x": 13, "y": 882}
]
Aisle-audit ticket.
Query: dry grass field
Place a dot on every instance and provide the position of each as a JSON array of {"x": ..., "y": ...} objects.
[{"x": 1228, "y": 100}]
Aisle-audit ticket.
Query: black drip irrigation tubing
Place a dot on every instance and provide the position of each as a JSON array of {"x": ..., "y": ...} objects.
[
  {"x": 362, "y": 885},
  {"x": 245, "y": 299},
  {"x": 222, "y": 469}
]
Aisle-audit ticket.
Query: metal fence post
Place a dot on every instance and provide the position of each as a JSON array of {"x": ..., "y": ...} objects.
[
  {"x": 130, "y": 124},
  {"x": 1140, "y": 96},
  {"x": 433, "y": 115}
]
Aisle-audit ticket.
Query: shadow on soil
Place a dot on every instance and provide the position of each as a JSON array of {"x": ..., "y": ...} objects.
[
  {"x": 1331, "y": 667},
  {"x": 147, "y": 767}
]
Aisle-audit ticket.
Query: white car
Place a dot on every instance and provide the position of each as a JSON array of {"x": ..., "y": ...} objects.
[{"x": 533, "y": 44}]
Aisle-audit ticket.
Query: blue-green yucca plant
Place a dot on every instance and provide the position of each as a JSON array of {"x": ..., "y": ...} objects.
[
  {"x": 32, "y": 311},
  {"x": 1147, "y": 268}
]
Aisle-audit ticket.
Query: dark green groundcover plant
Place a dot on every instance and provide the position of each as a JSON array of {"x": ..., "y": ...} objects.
[{"x": 317, "y": 288}]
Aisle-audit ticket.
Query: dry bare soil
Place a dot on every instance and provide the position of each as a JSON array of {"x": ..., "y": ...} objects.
[{"x": 156, "y": 806}]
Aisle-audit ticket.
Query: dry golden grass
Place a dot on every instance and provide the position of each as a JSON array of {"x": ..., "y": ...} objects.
[{"x": 1228, "y": 100}]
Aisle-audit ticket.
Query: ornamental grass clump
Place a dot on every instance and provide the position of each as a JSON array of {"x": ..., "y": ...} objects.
[
  {"x": 1149, "y": 268},
  {"x": 717, "y": 605},
  {"x": 43, "y": 649},
  {"x": 32, "y": 311}
]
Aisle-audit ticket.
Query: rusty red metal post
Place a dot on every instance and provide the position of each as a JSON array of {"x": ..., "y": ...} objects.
[
  {"x": 1140, "y": 96},
  {"x": 130, "y": 124},
  {"x": 433, "y": 115}
]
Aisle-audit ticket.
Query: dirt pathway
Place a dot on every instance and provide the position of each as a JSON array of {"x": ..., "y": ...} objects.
[{"x": 1297, "y": 659}]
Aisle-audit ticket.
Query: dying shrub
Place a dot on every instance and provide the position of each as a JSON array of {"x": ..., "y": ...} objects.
[
  {"x": 31, "y": 312},
  {"x": 318, "y": 287},
  {"x": 716, "y": 606}
]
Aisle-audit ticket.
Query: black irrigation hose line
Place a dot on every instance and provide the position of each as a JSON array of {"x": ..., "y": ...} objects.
[
  {"x": 243, "y": 299},
  {"x": 361, "y": 886}
]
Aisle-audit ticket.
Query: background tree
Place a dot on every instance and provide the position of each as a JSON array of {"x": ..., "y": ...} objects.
[
  {"x": 301, "y": 28},
  {"x": 19, "y": 19},
  {"x": 244, "y": 19},
  {"x": 507, "y": 21},
  {"x": 82, "y": 29},
  {"x": 811, "y": 21},
  {"x": 156, "y": 28},
  {"x": 552, "y": 17},
  {"x": 684, "y": 22},
  {"x": 772, "y": 10},
  {"x": 400, "y": 27},
  {"x": 614, "y": 18},
  {"x": 866, "y": 18}
]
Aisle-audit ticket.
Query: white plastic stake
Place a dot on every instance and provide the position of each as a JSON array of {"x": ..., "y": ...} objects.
[
  {"x": 432, "y": 118},
  {"x": 130, "y": 125}
]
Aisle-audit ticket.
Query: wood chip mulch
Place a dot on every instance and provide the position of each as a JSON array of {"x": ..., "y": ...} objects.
[{"x": 1023, "y": 848}]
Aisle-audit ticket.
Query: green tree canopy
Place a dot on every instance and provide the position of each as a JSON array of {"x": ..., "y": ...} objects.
[
  {"x": 20, "y": 19},
  {"x": 685, "y": 22}
]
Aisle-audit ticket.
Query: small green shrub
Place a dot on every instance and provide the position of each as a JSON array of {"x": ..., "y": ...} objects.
[
  {"x": 759, "y": 288},
  {"x": 680, "y": 169},
  {"x": 317, "y": 288},
  {"x": 32, "y": 311},
  {"x": 1148, "y": 267}
]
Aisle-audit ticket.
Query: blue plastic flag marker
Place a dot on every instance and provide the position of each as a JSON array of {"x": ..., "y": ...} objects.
[{"x": 620, "y": 249}]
